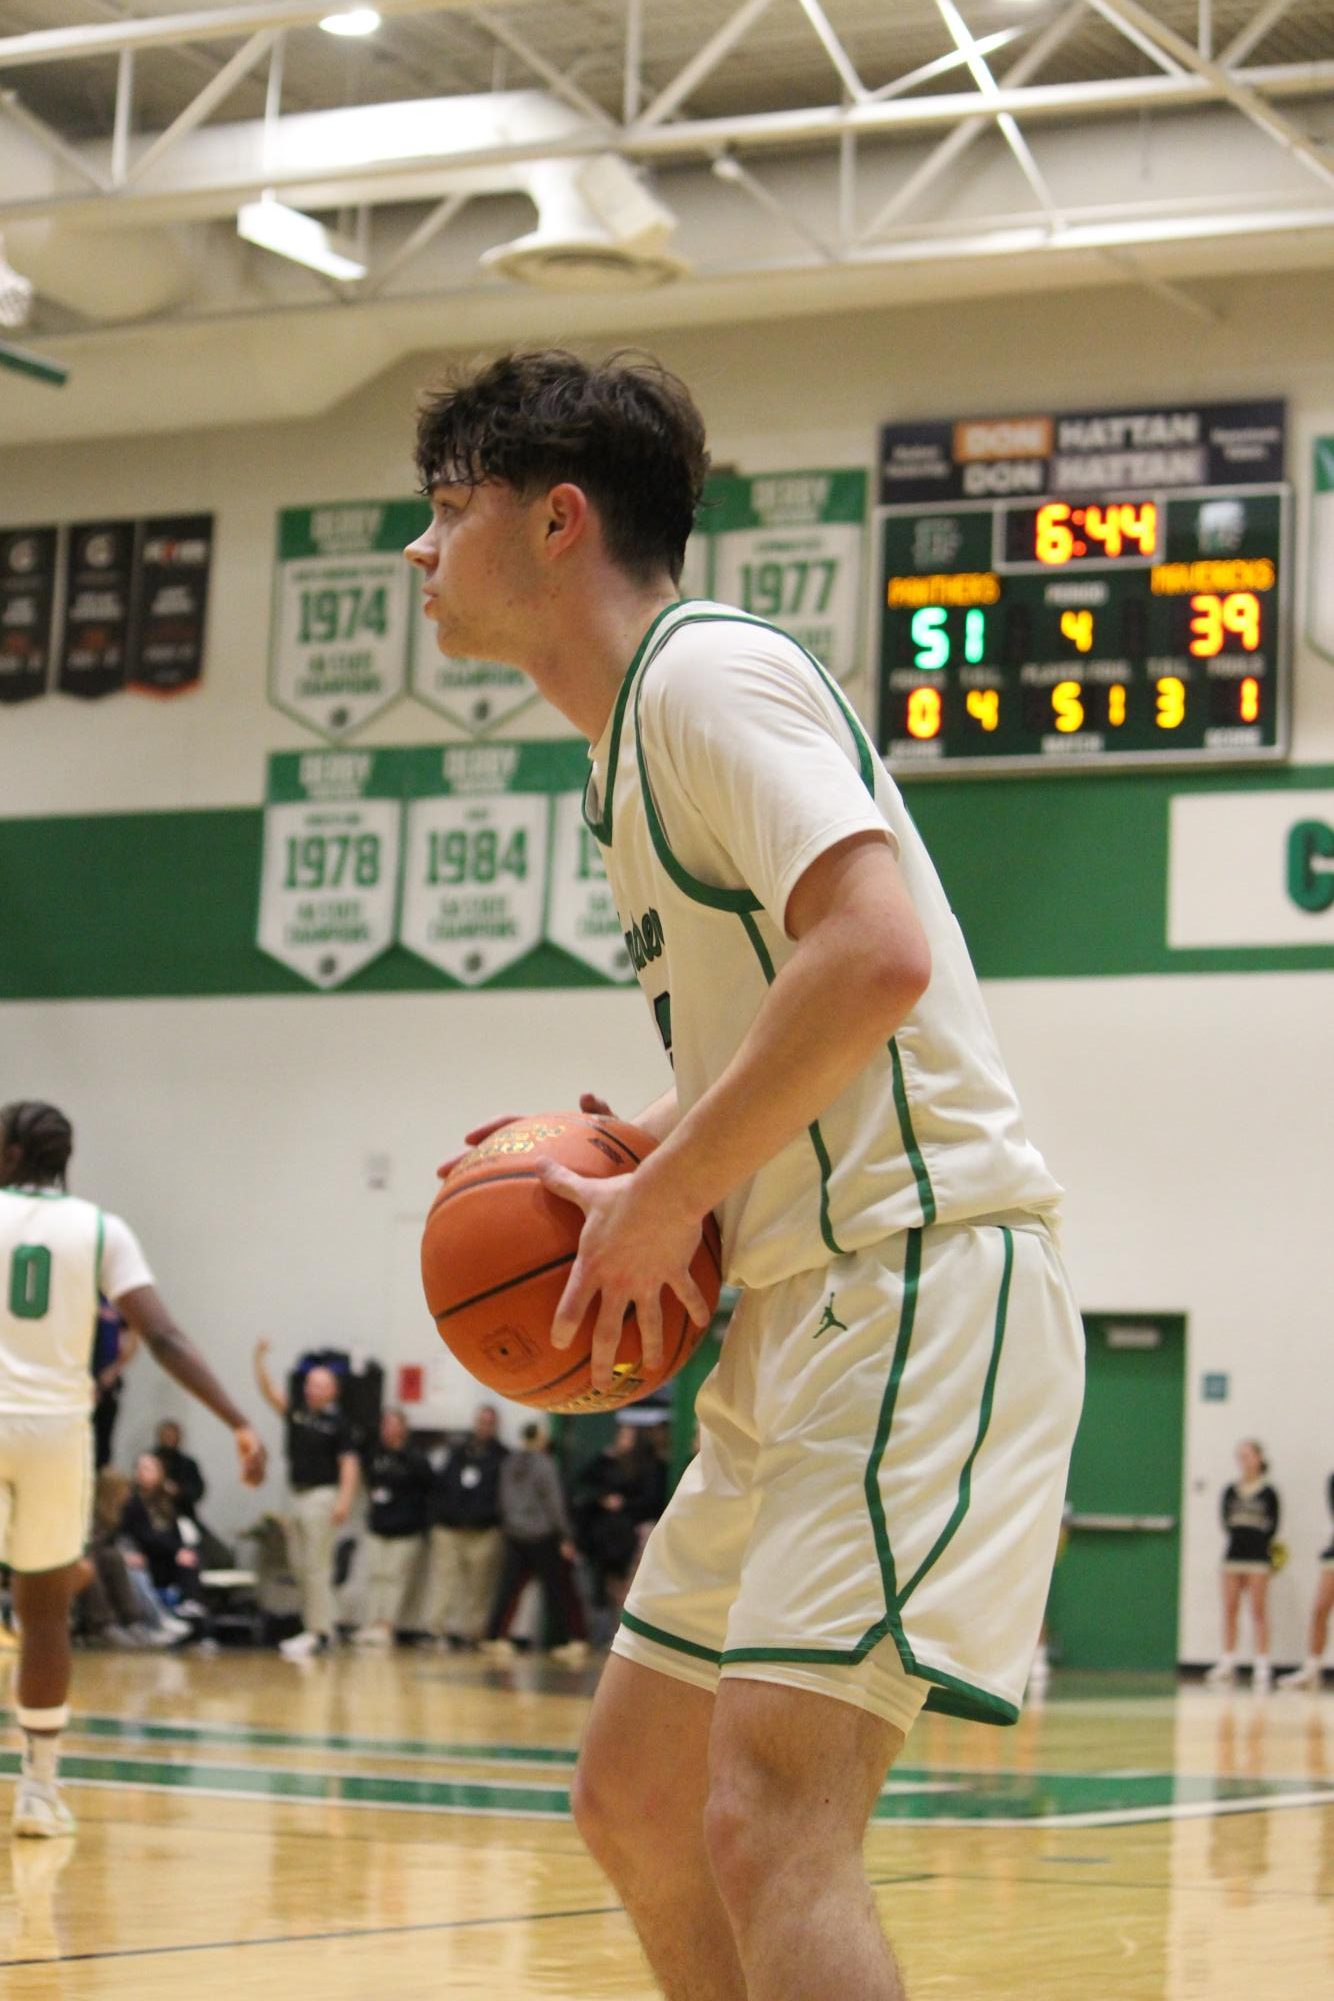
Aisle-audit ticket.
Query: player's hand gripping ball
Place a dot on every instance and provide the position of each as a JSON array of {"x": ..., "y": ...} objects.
[{"x": 497, "y": 1251}]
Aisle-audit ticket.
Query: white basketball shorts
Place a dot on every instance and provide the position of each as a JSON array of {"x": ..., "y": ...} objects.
[
  {"x": 46, "y": 1490},
  {"x": 876, "y": 1503}
]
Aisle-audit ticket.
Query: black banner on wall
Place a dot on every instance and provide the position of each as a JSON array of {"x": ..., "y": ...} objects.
[
  {"x": 95, "y": 645},
  {"x": 27, "y": 611},
  {"x": 170, "y": 602}
]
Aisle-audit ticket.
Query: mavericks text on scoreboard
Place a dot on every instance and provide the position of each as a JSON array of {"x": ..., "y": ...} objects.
[{"x": 1099, "y": 587}]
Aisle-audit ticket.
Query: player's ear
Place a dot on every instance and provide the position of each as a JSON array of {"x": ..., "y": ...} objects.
[{"x": 566, "y": 517}]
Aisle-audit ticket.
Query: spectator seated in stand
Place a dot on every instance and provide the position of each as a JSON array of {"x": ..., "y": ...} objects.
[
  {"x": 185, "y": 1484},
  {"x": 117, "y": 1605},
  {"x": 168, "y": 1543}
]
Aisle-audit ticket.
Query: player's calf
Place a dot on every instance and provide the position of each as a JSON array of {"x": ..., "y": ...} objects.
[
  {"x": 793, "y": 1777},
  {"x": 638, "y": 1799}
]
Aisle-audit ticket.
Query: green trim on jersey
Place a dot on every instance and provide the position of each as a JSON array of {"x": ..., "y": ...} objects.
[
  {"x": 888, "y": 1624},
  {"x": 601, "y": 829},
  {"x": 952, "y": 1697},
  {"x": 912, "y": 1274},
  {"x": 926, "y": 1194},
  {"x": 672, "y": 1640},
  {"x": 690, "y": 885},
  {"x": 817, "y": 1137},
  {"x": 865, "y": 754},
  {"x": 42, "y": 1194},
  {"x": 738, "y": 901},
  {"x": 947, "y": 1534},
  {"x": 947, "y": 1691}
]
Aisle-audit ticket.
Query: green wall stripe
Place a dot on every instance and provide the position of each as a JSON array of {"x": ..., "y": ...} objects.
[
  {"x": 139, "y": 906},
  {"x": 1051, "y": 878}
]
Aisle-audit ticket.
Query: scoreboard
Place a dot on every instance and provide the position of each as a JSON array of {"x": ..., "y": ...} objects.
[{"x": 1099, "y": 587}]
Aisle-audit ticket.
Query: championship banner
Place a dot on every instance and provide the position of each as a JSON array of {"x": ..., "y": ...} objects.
[
  {"x": 94, "y": 652},
  {"x": 27, "y": 611},
  {"x": 582, "y": 917},
  {"x": 170, "y": 601},
  {"x": 790, "y": 547},
  {"x": 477, "y": 852},
  {"x": 1320, "y": 570},
  {"x": 329, "y": 880},
  {"x": 474, "y": 695},
  {"x": 343, "y": 609}
]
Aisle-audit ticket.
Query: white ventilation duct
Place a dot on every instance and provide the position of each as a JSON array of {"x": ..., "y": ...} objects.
[
  {"x": 116, "y": 256},
  {"x": 598, "y": 230},
  {"x": 103, "y": 274}
]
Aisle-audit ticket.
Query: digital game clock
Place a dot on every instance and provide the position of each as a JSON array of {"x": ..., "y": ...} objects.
[{"x": 1099, "y": 587}]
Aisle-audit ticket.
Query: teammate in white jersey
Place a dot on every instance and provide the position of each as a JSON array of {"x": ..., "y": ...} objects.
[
  {"x": 870, "y": 1524},
  {"x": 57, "y": 1252}
]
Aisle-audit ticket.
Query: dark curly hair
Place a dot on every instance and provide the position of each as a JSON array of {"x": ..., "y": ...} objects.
[
  {"x": 43, "y": 1135},
  {"x": 624, "y": 430}
]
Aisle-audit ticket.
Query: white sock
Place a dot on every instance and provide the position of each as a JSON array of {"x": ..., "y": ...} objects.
[
  {"x": 1262, "y": 1661},
  {"x": 41, "y": 1755}
]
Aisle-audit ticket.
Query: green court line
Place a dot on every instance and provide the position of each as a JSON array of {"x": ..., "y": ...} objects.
[
  {"x": 318, "y": 1788},
  {"x": 974, "y": 1799},
  {"x": 143, "y": 1730}
]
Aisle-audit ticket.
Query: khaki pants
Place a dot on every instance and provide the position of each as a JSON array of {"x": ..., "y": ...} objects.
[
  {"x": 389, "y": 1565},
  {"x": 465, "y": 1564},
  {"x": 312, "y": 1537}
]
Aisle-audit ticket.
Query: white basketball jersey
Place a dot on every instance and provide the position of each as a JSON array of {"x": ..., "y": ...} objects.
[
  {"x": 56, "y": 1252},
  {"x": 730, "y": 763}
]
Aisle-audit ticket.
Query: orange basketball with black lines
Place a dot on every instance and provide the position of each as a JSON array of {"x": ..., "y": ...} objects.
[{"x": 497, "y": 1251}]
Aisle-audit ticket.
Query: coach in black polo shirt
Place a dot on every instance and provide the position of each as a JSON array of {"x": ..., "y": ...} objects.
[{"x": 322, "y": 1472}]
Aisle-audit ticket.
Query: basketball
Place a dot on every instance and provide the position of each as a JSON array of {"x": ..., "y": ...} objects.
[{"x": 497, "y": 1251}]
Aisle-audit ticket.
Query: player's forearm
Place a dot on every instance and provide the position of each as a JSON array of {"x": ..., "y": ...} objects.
[
  {"x": 661, "y": 1117},
  {"x": 831, "y": 1010}
]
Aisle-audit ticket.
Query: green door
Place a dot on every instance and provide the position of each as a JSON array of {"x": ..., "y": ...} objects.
[{"x": 1114, "y": 1595}]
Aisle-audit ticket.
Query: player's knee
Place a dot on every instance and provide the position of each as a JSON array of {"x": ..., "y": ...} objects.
[
  {"x": 747, "y": 1837},
  {"x": 605, "y": 1799},
  {"x": 590, "y": 1803},
  {"x": 630, "y": 1812}
]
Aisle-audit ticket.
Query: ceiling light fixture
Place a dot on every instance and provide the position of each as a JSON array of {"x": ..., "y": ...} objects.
[
  {"x": 352, "y": 21},
  {"x": 288, "y": 232}
]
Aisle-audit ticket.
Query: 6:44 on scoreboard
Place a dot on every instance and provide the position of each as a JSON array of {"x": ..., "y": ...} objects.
[{"x": 1098, "y": 587}]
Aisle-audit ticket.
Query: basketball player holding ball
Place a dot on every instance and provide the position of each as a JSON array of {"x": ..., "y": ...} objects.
[{"x": 871, "y": 1521}]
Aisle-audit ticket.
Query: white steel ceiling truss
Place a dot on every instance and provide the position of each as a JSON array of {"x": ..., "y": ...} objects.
[{"x": 870, "y": 170}]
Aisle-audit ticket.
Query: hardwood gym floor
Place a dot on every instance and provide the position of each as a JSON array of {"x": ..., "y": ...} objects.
[{"x": 399, "y": 1827}]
